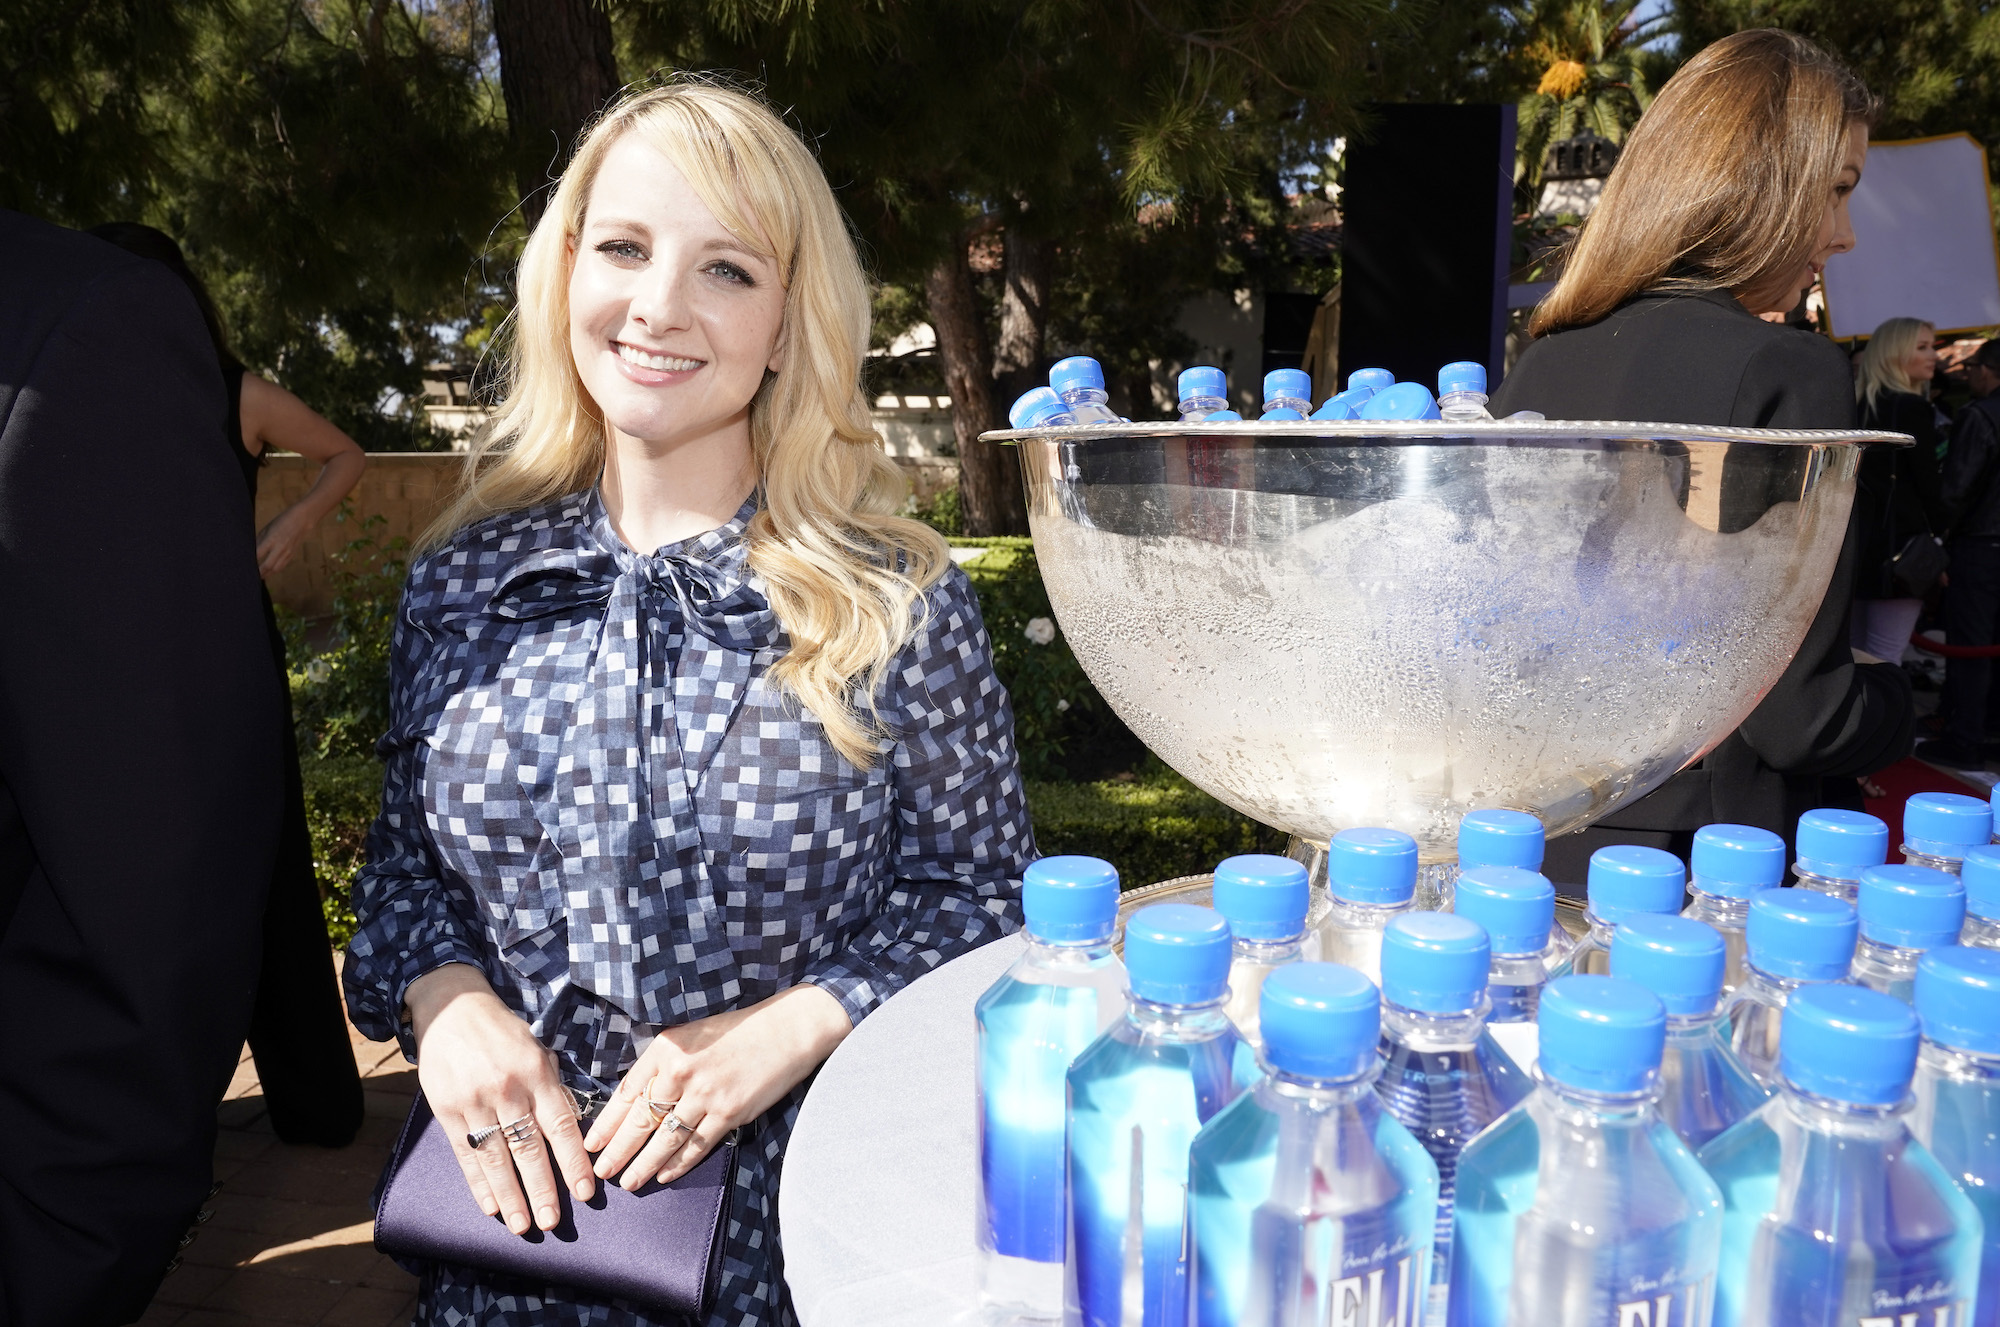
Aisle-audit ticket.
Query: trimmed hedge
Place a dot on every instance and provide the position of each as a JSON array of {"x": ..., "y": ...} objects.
[{"x": 343, "y": 794}]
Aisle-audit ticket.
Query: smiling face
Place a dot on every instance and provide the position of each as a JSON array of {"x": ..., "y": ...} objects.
[
  {"x": 1836, "y": 230},
  {"x": 1921, "y": 363},
  {"x": 673, "y": 320}
]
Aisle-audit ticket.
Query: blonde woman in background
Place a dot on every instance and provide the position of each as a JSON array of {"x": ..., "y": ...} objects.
[
  {"x": 1896, "y": 498},
  {"x": 697, "y": 752}
]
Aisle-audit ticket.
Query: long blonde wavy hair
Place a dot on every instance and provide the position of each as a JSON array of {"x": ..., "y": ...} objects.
[
  {"x": 1882, "y": 360},
  {"x": 844, "y": 575}
]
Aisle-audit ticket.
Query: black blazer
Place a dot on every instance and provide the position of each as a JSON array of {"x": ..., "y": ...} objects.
[
  {"x": 139, "y": 773},
  {"x": 1703, "y": 359},
  {"x": 1897, "y": 496}
]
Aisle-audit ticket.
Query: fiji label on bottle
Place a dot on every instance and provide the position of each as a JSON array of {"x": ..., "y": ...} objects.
[
  {"x": 1928, "y": 1305},
  {"x": 1660, "y": 1303},
  {"x": 1386, "y": 1295}
]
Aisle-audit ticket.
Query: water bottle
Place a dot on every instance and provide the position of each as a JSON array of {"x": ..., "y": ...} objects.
[
  {"x": 1957, "y": 1090},
  {"x": 1485, "y": 838},
  {"x": 1703, "y": 1087},
  {"x": 1287, "y": 394},
  {"x": 1939, "y": 828},
  {"x": 1729, "y": 866},
  {"x": 1517, "y": 907},
  {"x": 1980, "y": 873},
  {"x": 1203, "y": 391},
  {"x": 1371, "y": 875},
  {"x": 1904, "y": 911},
  {"x": 1834, "y": 1215},
  {"x": 1625, "y": 881},
  {"x": 1263, "y": 898},
  {"x": 1307, "y": 1202},
  {"x": 1462, "y": 391},
  {"x": 1064, "y": 990},
  {"x": 1443, "y": 1075},
  {"x": 1137, "y": 1097},
  {"x": 1797, "y": 937},
  {"x": 1580, "y": 1207},
  {"x": 1079, "y": 381},
  {"x": 1835, "y": 847},
  {"x": 1039, "y": 408},
  {"x": 1403, "y": 400}
]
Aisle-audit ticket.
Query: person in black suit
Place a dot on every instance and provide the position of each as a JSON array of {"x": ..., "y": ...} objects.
[
  {"x": 1728, "y": 199},
  {"x": 139, "y": 774},
  {"x": 1971, "y": 608}
]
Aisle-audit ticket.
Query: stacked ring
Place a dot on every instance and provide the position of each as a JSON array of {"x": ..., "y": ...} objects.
[
  {"x": 659, "y": 1112},
  {"x": 521, "y": 1130}
]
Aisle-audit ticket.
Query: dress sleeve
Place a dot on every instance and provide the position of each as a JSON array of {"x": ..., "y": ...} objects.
[
  {"x": 406, "y": 925},
  {"x": 962, "y": 832}
]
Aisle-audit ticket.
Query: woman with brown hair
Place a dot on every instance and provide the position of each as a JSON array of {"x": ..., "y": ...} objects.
[{"x": 1728, "y": 200}]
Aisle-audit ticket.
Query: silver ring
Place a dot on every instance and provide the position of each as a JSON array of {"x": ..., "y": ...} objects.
[
  {"x": 520, "y": 1131},
  {"x": 658, "y": 1111},
  {"x": 477, "y": 1138},
  {"x": 671, "y": 1122}
]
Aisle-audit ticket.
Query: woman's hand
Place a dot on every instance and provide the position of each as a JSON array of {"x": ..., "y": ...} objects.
[
  {"x": 717, "y": 1073},
  {"x": 278, "y": 543},
  {"x": 481, "y": 1067}
]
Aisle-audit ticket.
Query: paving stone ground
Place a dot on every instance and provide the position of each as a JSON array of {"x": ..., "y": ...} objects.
[{"x": 291, "y": 1241}]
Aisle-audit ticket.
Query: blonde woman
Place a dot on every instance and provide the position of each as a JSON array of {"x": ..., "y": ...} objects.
[
  {"x": 697, "y": 755},
  {"x": 1897, "y": 498}
]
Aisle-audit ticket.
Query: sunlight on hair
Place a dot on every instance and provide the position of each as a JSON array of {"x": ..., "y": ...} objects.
[{"x": 1885, "y": 359}]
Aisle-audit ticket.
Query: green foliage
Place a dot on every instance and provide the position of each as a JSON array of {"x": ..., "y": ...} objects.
[
  {"x": 1591, "y": 72},
  {"x": 343, "y": 795},
  {"x": 1153, "y": 826},
  {"x": 340, "y": 690},
  {"x": 942, "y": 513}
]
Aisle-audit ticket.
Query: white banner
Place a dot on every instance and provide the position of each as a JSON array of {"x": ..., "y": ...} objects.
[{"x": 1923, "y": 241}]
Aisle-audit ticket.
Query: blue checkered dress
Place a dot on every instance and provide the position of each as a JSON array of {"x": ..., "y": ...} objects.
[{"x": 595, "y": 795}]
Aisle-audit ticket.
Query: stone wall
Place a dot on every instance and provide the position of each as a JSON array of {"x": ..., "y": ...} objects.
[{"x": 408, "y": 489}]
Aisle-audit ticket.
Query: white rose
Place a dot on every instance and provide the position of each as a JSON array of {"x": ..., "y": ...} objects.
[
  {"x": 318, "y": 671},
  {"x": 1040, "y": 630},
  {"x": 1062, "y": 707}
]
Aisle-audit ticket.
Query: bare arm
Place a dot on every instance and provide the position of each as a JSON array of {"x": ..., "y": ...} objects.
[{"x": 273, "y": 417}]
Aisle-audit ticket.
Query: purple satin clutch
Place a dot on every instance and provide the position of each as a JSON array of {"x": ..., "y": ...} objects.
[{"x": 658, "y": 1248}]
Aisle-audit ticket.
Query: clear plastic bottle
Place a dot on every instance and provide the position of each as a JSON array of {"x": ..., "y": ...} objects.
[
  {"x": 1980, "y": 873},
  {"x": 1581, "y": 1207},
  {"x": 1039, "y": 408},
  {"x": 1137, "y": 1097},
  {"x": 1938, "y": 829},
  {"x": 1625, "y": 881},
  {"x": 1287, "y": 394},
  {"x": 1904, "y": 910},
  {"x": 1730, "y": 864},
  {"x": 1079, "y": 381},
  {"x": 1703, "y": 1087},
  {"x": 1404, "y": 400},
  {"x": 1371, "y": 875},
  {"x": 1835, "y": 847},
  {"x": 1495, "y": 837},
  {"x": 1797, "y": 937},
  {"x": 1834, "y": 1214},
  {"x": 1462, "y": 391},
  {"x": 1263, "y": 898},
  {"x": 1516, "y": 906},
  {"x": 1443, "y": 1075},
  {"x": 1063, "y": 991},
  {"x": 1203, "y": 391},
  {"x": 1957, "y": 1090},
  {"x": 1307, "y": 1202}
]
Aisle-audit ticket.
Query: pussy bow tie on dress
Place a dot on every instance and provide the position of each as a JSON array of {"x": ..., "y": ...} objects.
[{"x": 684, "y": 624}]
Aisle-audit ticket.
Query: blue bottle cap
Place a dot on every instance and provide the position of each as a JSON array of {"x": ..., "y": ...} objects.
[
  {"x": 1601, "y": 1034},
  {"x": 1220, "y": 416},
  {"x": 1736, "y": 861},
  {"x": 1202, "y": 381},
  {"x": 1801, "y": 935},
  {"x": 1319, "y": 1020},
  {"x": 1626, "y": 880},
  {"x": 1070, "y": 900},
  {"x": 1027, "y": 412},
  {"x": 1516, "y": 907},
  {"x": 1295, "y": 383},
  {"x": 1840, "y": 845},
  {"x": 1403, "y": 400},
  {"x": 1910, "y": 907},
  {"x": 1958, "y": 998},
  {"x": 1676, "y": 958},
  {"x": 1334, "y": 407},
  {"x": 1078, "y": 371},
  {"x": 1370, "y": 381},
  {"x": 1980, "y": 874},
  {"x": 1176, "y": 953},
  {"x": 1946, "y": 824},
  {"x": 1279, "y": 414},
  {"x": 1434, "y": 962},
  {"x": 1262, "y": 897},
  {"x": 1462, "y": 376},
  {"x": 1501, "y": 838},
  {"x": 1372, "y": 866},
  {"x": 1847, "y": 1043}
]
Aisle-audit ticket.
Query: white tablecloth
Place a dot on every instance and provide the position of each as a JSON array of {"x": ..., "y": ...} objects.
[{"x": 876, "y": 1207}]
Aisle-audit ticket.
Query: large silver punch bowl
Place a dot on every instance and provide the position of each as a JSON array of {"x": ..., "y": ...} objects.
[{"x": 1332, "y": 625}]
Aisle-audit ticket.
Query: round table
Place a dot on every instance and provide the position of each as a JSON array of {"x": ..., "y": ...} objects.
[{"x": 877, "y": 1200}]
